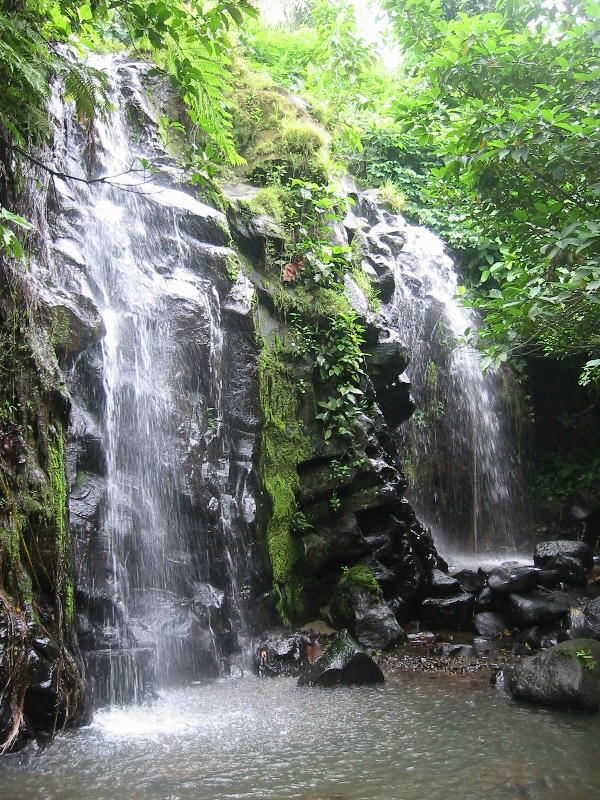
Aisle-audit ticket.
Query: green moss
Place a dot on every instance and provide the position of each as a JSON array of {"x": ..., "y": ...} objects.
[
  {"x": 369, "y": 290},
  {"x": 232, "y": 267},
  {"x": 284, "y": 445},
  {"x": 269, "y": 200},
  {"x": 69, "y": 600},
  {"x": 58, "y": 507},
  {"x": 61, "y": 327},
  {"x": 432, "y": 376},
  {"x": 303, "y": 138},
  {"x": 58, "y": 487},
  {"x": 274, "y": 133},
  {"x": 9, "y": 544},
  {"x": 358, "y": 578}
]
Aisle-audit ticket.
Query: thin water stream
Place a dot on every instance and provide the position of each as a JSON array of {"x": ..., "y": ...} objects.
[
  {"x": 463, "y": 441},
  {"x": 414, "y": 738}
]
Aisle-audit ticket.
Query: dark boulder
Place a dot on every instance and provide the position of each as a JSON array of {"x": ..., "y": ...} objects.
[
  {"x": 515, "y": 578},
  {"x": 539, "y": 608},
  {"x": 532, "y": 637},
  {"x": 489, "y": 624},
  {"x": 375, "y": 625},
  {"x": 450, "y": 613},
  {"x": 546, "y": 552},
  {"x": 453, "y": 650},
  {"x": 280, "y": 654},
  {"x": 344, "y": 663},
  {"x": 442, "y": 585},
  {"x": 591, "y": 613},
  {"x": 470, "y": 580},
  {"x": 570, "y": 570},
  {"x": 577, "y": 633},
  {"x": 484, "y": 600},
  {"x": 565, "y": 676},
  {"x": 548, "y": 578}
]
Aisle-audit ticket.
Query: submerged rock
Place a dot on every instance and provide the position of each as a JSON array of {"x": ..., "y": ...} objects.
[
  {"x": 344, "y": 663},
  {"x": 565, "y": 676}
]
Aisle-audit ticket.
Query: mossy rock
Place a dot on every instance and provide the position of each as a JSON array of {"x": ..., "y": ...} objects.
[
  {"x": 565, "y": 676},
  {"x": 344, "y": 663}
]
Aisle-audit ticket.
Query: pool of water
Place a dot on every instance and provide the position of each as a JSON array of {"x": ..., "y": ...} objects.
[{"x": 414, "y": 738}]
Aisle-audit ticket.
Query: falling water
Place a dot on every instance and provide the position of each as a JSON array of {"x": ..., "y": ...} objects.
[
  {"x": 167, "y": 574},
  {"x": 462, "y": 442}
]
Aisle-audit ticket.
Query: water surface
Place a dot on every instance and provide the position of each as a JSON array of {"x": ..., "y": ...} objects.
[{"x": 414, "y": 738}]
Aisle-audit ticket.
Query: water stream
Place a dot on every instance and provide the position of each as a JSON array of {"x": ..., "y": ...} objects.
[
  {"x": 410, "y": 739},
  {"x": 463, "y": 443},
  {"x": 167, "y": 567}
]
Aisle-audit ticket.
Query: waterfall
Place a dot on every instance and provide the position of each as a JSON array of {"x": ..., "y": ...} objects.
[
  {"x": 461, "y": 447},
  {"x": 163, "y": 516}
]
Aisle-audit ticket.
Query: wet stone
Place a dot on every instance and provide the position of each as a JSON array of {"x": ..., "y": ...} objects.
[
  {"x": 471, "y": 580},
  {"x": 558, "y": 678},
  {"x": 546, "y": 552},
  {"x": 451, "y": 613},
  {"x": 343, "y": 664},
  {"x": 489, "y": 624},
  {"x": 539, "y": 608},
  {"x": 442, "y": 585}
]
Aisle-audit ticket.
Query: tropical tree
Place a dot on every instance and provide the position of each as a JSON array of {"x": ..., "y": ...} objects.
[{"x": 511, "y": 104}]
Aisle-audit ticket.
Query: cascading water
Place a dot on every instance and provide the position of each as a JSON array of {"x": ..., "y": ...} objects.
[
  {"x": 461, "y": 448},
  {"x": 166, "y": 577},
  {"x": 466, "y": 474}
]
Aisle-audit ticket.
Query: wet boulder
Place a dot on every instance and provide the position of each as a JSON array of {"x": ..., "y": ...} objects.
[
  {"x": 591, "y": 613},
  {"x": 531, "y": 637},
  {"x": 577, "y": 633},
  {"x": 565, "y": 676},
  {"x": 513, "y": 578},
  {"x": 570, "y": 570},
  {"x": 546, "y": 552},
  {"x": 375, "y": 625},
  {"x": 280, "y": 654},
  {"x": 450, "y": 613},
  {"x": 489, "y": 624},
  {"x": 344, "y": 663},
  {"x": 484, "y": 600},
  {"x": 539, "y": 608},
  {"x": 388, "y": 355},
  {"x": 471, "y": 580},
  {"x": 442, "y": 585}
]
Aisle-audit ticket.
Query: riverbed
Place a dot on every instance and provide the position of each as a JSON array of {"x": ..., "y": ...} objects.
[{"x": 413, "y": 738}]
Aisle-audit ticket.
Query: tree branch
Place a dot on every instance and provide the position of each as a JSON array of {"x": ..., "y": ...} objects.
[{"x": 106, "y": 179}]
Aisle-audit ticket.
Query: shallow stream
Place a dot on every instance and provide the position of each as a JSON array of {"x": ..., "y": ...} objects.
[{"x": 414, "y": 738}]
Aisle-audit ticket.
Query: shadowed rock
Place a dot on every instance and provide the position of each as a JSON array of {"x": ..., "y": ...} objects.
[
  {"x": 566, "y": 676},
  {"x": 343, "y": 664}
]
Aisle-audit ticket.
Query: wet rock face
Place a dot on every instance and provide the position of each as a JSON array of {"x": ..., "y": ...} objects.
[
  {"x": 40, "y": 679},
  {"x": 560, "y": 678}
]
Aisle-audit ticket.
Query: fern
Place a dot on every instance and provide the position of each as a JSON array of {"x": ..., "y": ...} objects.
[{"x": 88, "y": 88}]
